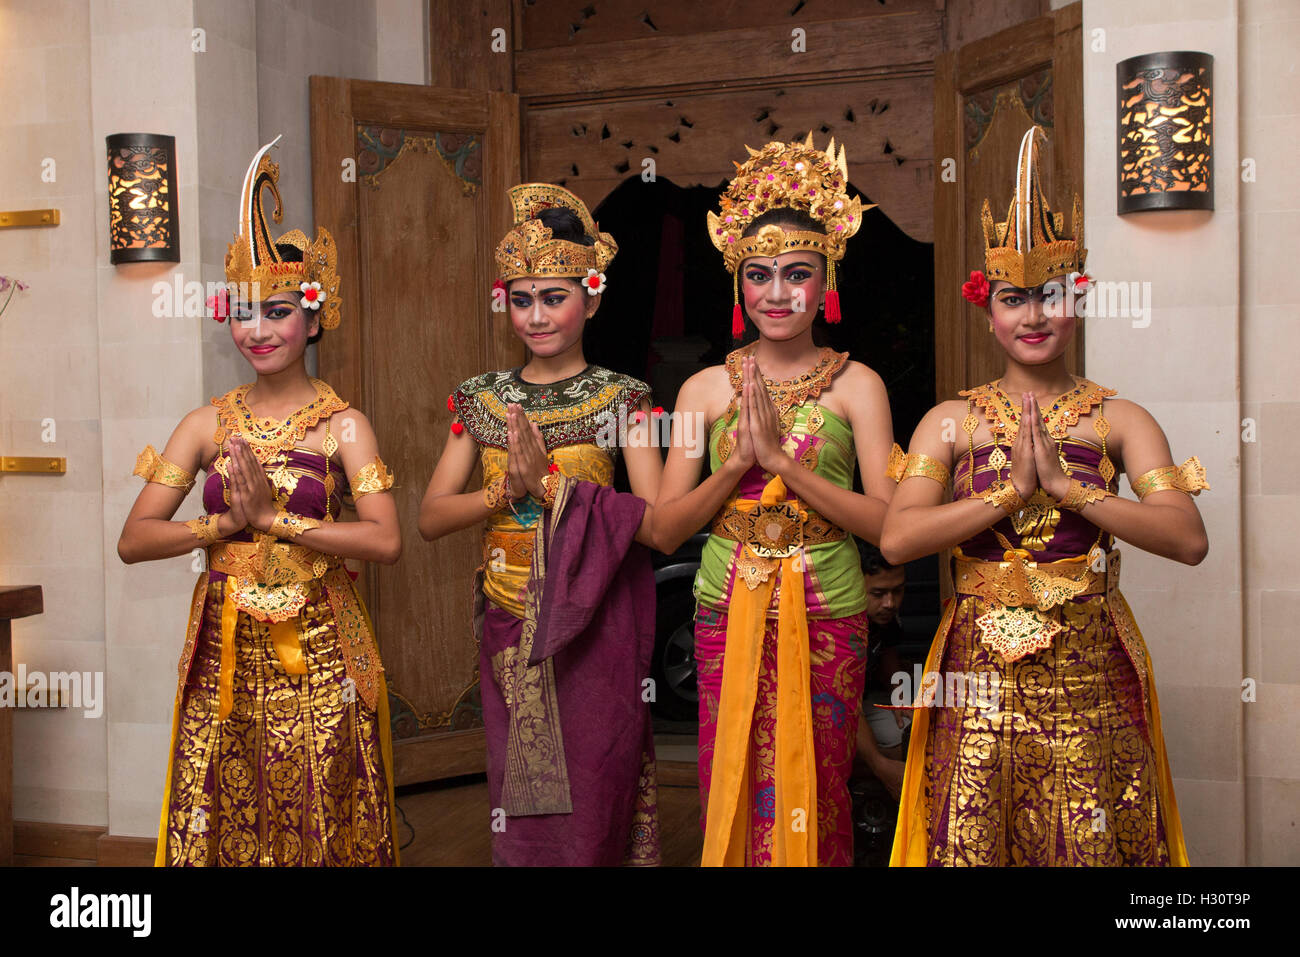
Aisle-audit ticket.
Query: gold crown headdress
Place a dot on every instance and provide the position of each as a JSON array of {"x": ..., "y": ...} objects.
[
  {"x": 795, "y": 176},
  {"x": 530, "y": 250},
  {"x": 1031, "y": 247},
  {"x": 253, "y": 262}
]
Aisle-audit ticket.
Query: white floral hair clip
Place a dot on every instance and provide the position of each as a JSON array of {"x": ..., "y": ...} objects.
[
  {"x": 312, "y": 294},
  {"x": 595, "y": 282}
]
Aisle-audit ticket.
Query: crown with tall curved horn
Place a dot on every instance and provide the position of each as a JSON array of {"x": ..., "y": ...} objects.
[
  {"x": 254, "y": 262},
  {"x": 1031, "y": 246}
]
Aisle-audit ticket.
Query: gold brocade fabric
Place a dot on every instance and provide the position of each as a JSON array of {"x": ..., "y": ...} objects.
[
  {"x": 299, "y": 772},
  {"x": 508, "y": 549},
  {"x": 1059, "y": 770}
]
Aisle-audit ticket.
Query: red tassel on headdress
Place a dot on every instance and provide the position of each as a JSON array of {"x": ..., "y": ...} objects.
[{"x": 832, "y": 306}]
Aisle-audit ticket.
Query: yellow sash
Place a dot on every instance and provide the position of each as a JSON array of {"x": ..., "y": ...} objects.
[{"x": 794, "y": 835}]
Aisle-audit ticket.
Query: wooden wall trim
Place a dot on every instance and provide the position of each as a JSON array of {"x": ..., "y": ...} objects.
[
  {"x": 858, "y": 47},
  {"x": 82, "y": 842}
]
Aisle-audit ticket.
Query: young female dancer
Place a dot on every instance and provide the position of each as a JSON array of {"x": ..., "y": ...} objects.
[
  {"x": 780, "y": 624},
  {"x": 1039, "y": 741},
  {"x": 280, "y": 749},
  {"x": 566, "y": 613}
]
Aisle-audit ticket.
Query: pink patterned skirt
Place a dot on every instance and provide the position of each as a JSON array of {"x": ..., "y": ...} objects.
[{"x": 838, "y": 655}]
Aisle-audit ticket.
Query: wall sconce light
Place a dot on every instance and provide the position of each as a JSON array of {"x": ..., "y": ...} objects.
[
  {"x": 1166, "y": 146},
  {"x": 143, "y": 221}
]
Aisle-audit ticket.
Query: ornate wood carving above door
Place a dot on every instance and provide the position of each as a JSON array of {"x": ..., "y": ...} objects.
[{"x": 607, "y": 95}]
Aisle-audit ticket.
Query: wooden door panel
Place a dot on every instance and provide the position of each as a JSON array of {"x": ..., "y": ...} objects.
[
  {"x": 987, "y": 93},
  {"x": 416, "y": 232}
]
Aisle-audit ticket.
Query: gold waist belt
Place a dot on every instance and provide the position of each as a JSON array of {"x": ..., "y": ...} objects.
[
  {"x": 511, "y": 547},
  {"x": 774, "y": 531},
  {"x": 268, "y": 561},
  {"x": 267, "y": 578},
  {"x": 1023, "y": 592}
]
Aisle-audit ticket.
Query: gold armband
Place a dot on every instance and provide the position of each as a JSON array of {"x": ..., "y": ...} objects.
[
  {"x": 205, "y": 528},
  {"x": 894, "y": 468},
  {"x": 918, "y": 463},
  {"x": 497, "y": 492},
  {"x": 152, "y": 467},
  {"x": 288, "y": 525},
  {"x": 1081, "y": 493},
  {"x": 374, "y": 477},
  {"x": 1188, "y": 477},
  {"x": 1003, "y": 494}
]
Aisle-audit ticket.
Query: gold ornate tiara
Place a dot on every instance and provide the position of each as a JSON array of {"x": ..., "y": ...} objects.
[
  {"x": 787, "y": 175},
  {"x": 529, "y": 248},
  {"x": 253, "y": 262},
  {"x": 1031, "y": 246}
]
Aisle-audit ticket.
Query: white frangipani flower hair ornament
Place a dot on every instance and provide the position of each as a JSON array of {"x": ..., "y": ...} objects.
[
  {"x": 595, "y": 282},
  {"x": 312, "y": 295}
]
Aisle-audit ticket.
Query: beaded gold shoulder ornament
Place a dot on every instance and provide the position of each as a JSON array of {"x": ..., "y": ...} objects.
[
  {"x": 255, "y": 268},
  {"x": 787, "y": 176}
]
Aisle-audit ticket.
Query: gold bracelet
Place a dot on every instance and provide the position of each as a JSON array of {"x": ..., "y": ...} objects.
[
  {"x": 918, "y": 463},
  {"x": 205, "y": 528},
  {"x": 288, "y": 525},
  {"x": 1081, "y": 493},
  {"x": 497, "y": 492},
  {"x": 1003, "y": 494},
  {"x": 551, "y": 483},
  {"x": 152, "y": 467}
]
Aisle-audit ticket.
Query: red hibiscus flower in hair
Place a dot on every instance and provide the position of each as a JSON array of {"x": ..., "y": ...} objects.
[
  {"x": 976, "y": 289},
  {"x": 219, "y": 305}
]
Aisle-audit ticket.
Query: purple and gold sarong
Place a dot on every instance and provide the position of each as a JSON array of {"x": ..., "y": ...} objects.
[{"x": 280, "y": 750}]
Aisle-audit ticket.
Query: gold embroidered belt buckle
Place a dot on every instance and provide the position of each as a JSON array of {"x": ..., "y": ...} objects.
[
  {"x": 268, "y": 578},
  {"x": 774, "y": 531},
  {"x": 1022, "y": 593}
]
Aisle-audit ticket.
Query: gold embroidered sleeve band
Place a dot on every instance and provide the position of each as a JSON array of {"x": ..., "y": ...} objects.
[
  {"x": 152, "y": 467},
  {"x": 1003, "y": 494},
  {"x": 374, "y": 477},
  {"x": 1188, "y": 477},
  {"x": 205, "y": 529},
  {"x": 497, "y": 492},
  {"x": 918, "y": 463},
  {"x": 1082, "y": 493},
  {"x": 290, "y": 525}
]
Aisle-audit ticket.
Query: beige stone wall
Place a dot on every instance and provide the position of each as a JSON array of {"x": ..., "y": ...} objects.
[
  {"x": 1213, "y": 366},
  {"x": 83, "y": 350},
  {"x": 1269, "y": 34},
  {"x": 51, "y": 527}
]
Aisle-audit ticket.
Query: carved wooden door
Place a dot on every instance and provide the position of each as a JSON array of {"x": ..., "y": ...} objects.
[
  {"x": 986, "y": 94},
  {"x": 412, "y": 181}
]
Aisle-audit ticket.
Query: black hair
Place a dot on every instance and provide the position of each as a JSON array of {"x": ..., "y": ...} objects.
[
  {"x": 292, "y": 254},
  {"x": 785, "y": 216},
  {"x": 565, "y": 224},
  {"x": 873, "y": 563}
]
